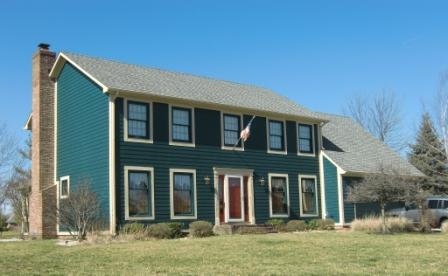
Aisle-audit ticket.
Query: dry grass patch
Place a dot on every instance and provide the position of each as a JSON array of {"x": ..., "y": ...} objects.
[{"x": 374, "y": 225}]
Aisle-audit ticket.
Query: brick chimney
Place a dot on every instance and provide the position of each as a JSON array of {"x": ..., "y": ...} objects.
[{"x": 43, "y": 191}]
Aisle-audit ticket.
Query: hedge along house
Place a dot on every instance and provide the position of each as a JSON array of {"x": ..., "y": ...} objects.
[
  {"x": 349, "y": 153},
  {"x": 157, "y": 146}
]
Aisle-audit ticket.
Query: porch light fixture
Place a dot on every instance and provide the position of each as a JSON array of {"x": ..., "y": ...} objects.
[
  {"x": 207, "y": 180},
  {"x": 261, "y": 180}
]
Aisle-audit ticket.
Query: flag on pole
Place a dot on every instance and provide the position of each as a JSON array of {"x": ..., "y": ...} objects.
[{"x": 245, "y": 133}]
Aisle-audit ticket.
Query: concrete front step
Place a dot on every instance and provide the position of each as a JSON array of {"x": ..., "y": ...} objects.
[{"x": 231, "y": 229}]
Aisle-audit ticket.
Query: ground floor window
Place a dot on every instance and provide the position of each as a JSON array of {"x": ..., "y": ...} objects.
[
  {"x": 139, "y": 193},
  {"x": 308, "y": 195},
  {"x": 279, "y": 195},
  {"x": 183, "y": 193},
  {"x": 64, "y": 189}
]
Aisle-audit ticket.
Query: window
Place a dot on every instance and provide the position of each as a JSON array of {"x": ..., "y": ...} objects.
[
  {"x": 139, "y": 193},
  {"x": 183, "y": 194},
  {"x": 276, "y": 135},
  {"x": 279, "y": 195},
  {"x": 308, "y": 196},
  {"x": 231, "y": 130},
  {"x": 305, "y": 139},
  {"x": 445, "y": 204},
  {"x": 433, "y": 204},
  {"x": 138, "y": 115},
  {"x": 181, "y": 125},
  {"x": 64, "y": 189}
]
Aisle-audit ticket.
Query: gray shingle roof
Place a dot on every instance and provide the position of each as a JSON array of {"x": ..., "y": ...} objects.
[
  {"x": 156, "y": 82},
  {"x": 357, "y": 151}
]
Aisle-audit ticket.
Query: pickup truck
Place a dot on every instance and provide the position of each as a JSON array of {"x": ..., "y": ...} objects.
[{"x": 437, "y": 207}]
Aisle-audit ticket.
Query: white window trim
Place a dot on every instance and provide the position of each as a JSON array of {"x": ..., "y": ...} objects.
[
  {"x": 271, "y": 175},
  {"x": 285, "y": 152},
  {"x": 301, "y": 199},
  {"x": 63, "y": 178},
  {"x": 223, "y": 146},
  {"x": 172, "y": 172},
  {"x": 125, "y": 118},
  {"x": 126, "y": 192},
  {"x": 193, "y": 128},
  {"x": 313, "y": 145}
]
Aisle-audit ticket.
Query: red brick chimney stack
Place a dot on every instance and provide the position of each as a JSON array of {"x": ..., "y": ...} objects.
[{"x": 43, "y": 189}]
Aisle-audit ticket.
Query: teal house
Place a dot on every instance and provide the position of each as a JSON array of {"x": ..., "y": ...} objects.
[{"x": 159, "y": 146}]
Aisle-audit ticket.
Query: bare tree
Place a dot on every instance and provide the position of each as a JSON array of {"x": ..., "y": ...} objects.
[
  {"x": 442, "y": 101},
  {"x": 18, "y": 188},
  {"x": 381, "y": 115},
  {"x": 80, "y": 212},
  {"x": 7, "y": 157},
  {"x": 383, "y": 188}
]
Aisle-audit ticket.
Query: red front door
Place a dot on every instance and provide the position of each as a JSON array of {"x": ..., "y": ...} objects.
[{"x": 234, "y": 197}]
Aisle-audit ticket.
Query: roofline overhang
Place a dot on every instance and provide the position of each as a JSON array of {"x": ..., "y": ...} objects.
[
  {"x": 204, "y": 104},
  {"x": 62, "y": 59},
  {"x": 59, "y": 64}
]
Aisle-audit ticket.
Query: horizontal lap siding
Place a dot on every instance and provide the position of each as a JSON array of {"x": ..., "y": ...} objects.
[
  {"x": 83, "y": 134},
  {"x": 331, "y": 190},
  {"x": 206, "y": 155}
]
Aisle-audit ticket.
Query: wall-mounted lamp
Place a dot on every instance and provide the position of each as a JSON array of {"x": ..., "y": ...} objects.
[
  {"x": 207, "y": 180},
  {"x": 261, "y": 181}
]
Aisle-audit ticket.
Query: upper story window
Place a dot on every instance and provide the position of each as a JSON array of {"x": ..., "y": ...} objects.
[
  {"x": 231, "y": 130},
  {"x": 137, "y": 121},
  {"x": 276, "y": 136},
  {"x": 305, "y": 139},
  {"x": 181, "y": 125}
]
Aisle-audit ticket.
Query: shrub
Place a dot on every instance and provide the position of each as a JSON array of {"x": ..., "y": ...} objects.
[
  {"x": 295, "y": 226},
  {"x": 200, "y": 229},
  {"x": 374, "y": 225},
  {"x": 133, "y": 228},
  {"x": 320, "y": 224},
  {"x": 176, "y": 229},
  {"x": 312, "y": 224},
  {"x": 278, "y": 224},
  {"x": 325, "y": 224},
  {"x": 160, "y": 231}
]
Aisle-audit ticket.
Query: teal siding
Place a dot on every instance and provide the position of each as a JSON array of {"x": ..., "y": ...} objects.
[
  {"x": 206, "y": 155},
  {"x": 331, "y": 190},
  {"x": 83, "y": 134},
  {"x": 360, "y": 210}
]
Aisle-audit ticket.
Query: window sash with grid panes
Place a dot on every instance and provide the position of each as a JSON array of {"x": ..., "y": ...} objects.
[
  {"x": 183, "y": 194},
  {"x": 305, "y": 138},
  {"x": 181, "y": 125},
  {"x": 138, "y": 120},
  {"x": 232, "y": 128},
  {"x": 140, "y": 204},
  {"x": 276, "y": 135}
]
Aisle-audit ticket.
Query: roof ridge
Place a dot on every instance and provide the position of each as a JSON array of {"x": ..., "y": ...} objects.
[{"x": 169, "y": 71}]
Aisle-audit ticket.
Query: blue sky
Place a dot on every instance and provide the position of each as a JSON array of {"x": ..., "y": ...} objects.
[{"x": 318, "y": 53}]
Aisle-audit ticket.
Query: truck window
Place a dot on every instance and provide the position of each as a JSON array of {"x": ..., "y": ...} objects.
[
  {"x": 445, "y": 204},
  {"x": 433, "y": 204}
]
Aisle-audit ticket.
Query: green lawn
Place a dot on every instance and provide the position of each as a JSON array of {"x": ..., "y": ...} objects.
[{"x": 307, "y": 253}]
